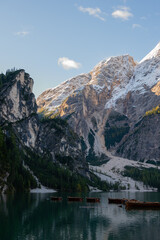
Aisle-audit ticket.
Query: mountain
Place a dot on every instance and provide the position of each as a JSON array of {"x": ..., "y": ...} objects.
[
  {"x": 35, "y": 150},
  {"x": 109, "y": 117},
  {"x": 107, "y": 107}
]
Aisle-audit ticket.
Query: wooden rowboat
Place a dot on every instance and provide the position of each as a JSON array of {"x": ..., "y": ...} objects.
[
  {"x": 92, "y": 200},
  {"x": 117, "y": 200},
  {"x": 56, "y": 198},
  {"x": 75, "y": 199},
  {"x": 142, "y": 205}
]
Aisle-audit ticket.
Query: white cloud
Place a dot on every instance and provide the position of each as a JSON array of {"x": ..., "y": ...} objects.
[
  {"x": 135, "y": 25},
  {"x": 122, "y": 13},
  {"x": 67, "y": 63},
  {"x": 22, "y": 33},
  {"x": 95, "y": 12}
]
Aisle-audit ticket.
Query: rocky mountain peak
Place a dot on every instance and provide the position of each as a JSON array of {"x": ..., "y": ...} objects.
[
  {"x": 53, "y": 98},
  {"x": 107, "y": 74},
  {"x": 152, "y": 54},
  {"x": 25, "y": 80},
  {"x": 118, "y": 85},
  {"x": 16, "y": 97},
  {"x": 113, "y": 71}
]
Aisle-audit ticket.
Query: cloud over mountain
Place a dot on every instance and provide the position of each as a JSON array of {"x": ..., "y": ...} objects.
[{"x": 67, "y": 63}]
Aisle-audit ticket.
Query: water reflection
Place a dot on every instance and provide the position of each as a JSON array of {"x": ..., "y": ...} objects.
[{"x": 35, "y": 217}]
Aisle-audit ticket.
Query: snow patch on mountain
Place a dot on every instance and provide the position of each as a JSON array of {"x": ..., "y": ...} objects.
[
  {"x": 117, "y": 76},
  {"x": 98, "y": 88},
  {"x": 146, "y": 75},
  {"x": 111, "y": 172},
  {"x": 112, "y": 70},
  {"x": 154, "y": 53},
  {"x": 109, "y": 73},
  {"x": 42, "y": 189},
  {"x": 53, "y": 98}
]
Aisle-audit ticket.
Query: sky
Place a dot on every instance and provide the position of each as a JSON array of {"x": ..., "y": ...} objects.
[{"x": 54, "y": 40}]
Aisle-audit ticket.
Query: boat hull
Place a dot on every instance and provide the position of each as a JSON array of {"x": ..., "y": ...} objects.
[
  {"x": 117, "y": 200},
  {"x": 93, "y": 200},
  {"x": 75, "y": 199},
  {"x": 142, "y": 205},
  {"x": 56, "y": 198}
]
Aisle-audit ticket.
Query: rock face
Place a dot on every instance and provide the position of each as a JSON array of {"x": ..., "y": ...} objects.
[
  {"x": 18, "y": 109},
  {"x": 16, "y": 99},
  {"x": 143, "y": 142},
  {"x": 85, "y": 107},
  {"x": 106, "y": 104},
  {"x": 56, "y": 137}
]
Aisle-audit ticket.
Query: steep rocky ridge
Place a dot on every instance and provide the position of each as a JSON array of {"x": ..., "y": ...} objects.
[
  {"x": 143, "y": 142},
  {"x": 16, "y": 99},
  {"x": 53, "y": 98},
  {"x": 49, "y": 138},
  {"x": 117, "y": 85},
  {"x": 18, "y": 107},
  {"x": 85, "y": 107}
]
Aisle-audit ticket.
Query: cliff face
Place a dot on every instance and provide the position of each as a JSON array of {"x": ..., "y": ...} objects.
[
  {"x": 85, "y": 107},
  {"x": 46, "y": 137},
  {"x": 110, "y": 100},
  {"x": 16, "y": 99},
  {"x": 143, "y": 142}
]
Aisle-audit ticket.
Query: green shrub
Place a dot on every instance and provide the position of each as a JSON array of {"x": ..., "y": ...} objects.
[{"x": 154, "y": 111}]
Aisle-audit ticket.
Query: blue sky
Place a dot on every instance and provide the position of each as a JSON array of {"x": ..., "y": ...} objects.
[{"x": 56, "y": 40}]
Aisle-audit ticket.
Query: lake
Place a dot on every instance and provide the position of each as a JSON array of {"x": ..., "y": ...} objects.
[{"x": 36, "y": 217}]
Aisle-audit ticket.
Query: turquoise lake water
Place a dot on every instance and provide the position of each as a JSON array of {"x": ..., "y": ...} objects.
[{"x": 36, "y": 217}]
